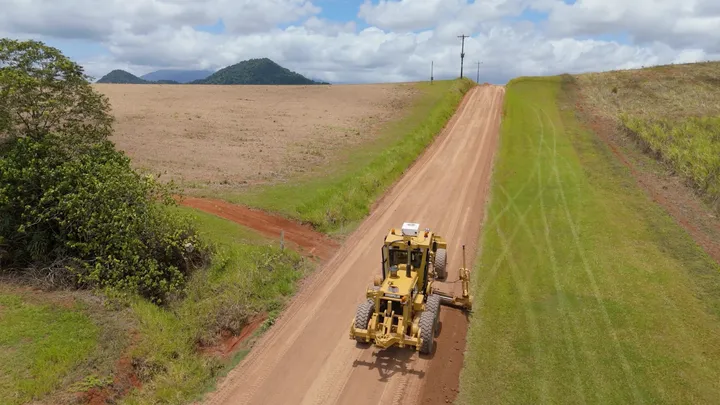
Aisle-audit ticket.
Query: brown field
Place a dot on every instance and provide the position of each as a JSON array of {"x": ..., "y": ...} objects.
[{"x": 202, "y": 136}]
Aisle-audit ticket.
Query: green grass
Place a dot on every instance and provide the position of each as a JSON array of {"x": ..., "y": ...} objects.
[
  {"x": 249, "y": 275},
  {"x": 585, "y": 291},
  {"x": 335, "y": 199},
  {"x": 690, "y": 146},
  {"x": 40, "y": 344}
]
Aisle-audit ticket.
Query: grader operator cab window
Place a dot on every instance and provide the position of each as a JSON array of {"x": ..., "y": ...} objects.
[{"x": 399, "y": 256}]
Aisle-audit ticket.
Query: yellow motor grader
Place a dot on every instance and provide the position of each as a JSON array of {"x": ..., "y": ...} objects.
[{"x": 403, "y": 306}]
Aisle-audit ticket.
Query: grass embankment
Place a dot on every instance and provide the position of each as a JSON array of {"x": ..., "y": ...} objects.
[
  {"x": 56, "y": 348},
  {"x": 673, "y": 110},
  {"x": 248, "y": 276},
  {"x": 335, "y": 199},
  {"x": 586, "y": 291}
]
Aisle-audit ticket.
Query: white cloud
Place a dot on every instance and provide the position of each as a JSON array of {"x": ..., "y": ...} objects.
[
  {"x": 678, "y": 23},
  {"x": 101, "y": 19},
  {"x": 404, "y": 36}
]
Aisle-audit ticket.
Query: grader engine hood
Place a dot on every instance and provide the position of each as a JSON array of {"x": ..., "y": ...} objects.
[{"x": 398, "y": 284}]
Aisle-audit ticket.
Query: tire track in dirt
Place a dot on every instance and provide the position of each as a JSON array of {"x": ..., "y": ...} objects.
[{"x": 307, "y": 356}]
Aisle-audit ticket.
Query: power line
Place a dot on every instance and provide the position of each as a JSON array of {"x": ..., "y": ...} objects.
[
  {"x": 462, "y": 53},
  {"x": 478, "y": 72},
  {"x": 432, "y": 65}
]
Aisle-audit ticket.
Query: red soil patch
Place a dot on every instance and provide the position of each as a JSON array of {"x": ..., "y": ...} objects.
[
  {"x": 230, "y": 343},
  {"x": 123, "y": 381},
  {"x": 302, "y": 237}
]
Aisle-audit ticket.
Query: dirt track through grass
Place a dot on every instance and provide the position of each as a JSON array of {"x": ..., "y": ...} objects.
[{"x": 586, "y": 292}]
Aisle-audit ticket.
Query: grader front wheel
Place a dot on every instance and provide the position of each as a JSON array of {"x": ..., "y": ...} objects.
[{"x": 363, "y": 315}]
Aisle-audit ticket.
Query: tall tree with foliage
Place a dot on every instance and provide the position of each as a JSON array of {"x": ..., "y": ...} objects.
[
  {"x": 42, "y": 91},
  {"x": 72, "y": 209}
]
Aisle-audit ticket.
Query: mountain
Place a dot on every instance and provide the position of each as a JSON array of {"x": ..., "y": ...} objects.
[
  {"x": 121, "y": 76},
  {"x": 177, "y": 75},
  {"x": 256, "y": 71},
  {"x": 166, "y": 82}
]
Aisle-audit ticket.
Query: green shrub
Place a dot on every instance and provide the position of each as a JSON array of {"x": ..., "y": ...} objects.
[
  {"x": 92, "y": 217},
  {"x": 72, "y": 209}
]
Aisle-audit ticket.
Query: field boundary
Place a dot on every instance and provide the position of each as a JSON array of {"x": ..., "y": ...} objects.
[{"x": 655, "y": 178}]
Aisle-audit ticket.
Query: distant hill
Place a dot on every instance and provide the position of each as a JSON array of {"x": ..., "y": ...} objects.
[
  {"x": 176, "y": 75},
  {"x": 256, "y": 71},
  {"x": 166, "y": 82},
  {"x": 121, "y": 76}
]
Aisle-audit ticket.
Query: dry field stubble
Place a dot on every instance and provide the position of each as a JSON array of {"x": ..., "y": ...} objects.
[{"x": 213, "y": 136}]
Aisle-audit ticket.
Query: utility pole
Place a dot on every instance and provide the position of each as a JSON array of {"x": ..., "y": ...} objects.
[
  {"x": 432, "y": 65},
  {"x": 462, "y": 53},
  {"x": 478, "y": 73}
]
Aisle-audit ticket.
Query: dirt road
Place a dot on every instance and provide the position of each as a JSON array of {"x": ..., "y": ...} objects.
[{"x": 307, "y": 356}]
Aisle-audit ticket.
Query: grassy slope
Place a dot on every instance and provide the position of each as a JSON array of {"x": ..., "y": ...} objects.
[
  {"x": 335, "y": 199},
  {"x": 56, "y": 344},
  {"x": 39, "y": 344},
  {"x": 248, "y": 276},
  {"x": 674, "y": 110},
  {"x": 585, "y": 291}
]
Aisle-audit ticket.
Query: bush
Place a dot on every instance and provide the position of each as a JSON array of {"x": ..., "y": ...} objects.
[{"x": 71, "y": 207}]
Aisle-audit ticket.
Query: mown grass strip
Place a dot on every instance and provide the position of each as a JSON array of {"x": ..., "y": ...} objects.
[
  {"x": 336, "y": 199},
  {"x": 586, "y": 291}
]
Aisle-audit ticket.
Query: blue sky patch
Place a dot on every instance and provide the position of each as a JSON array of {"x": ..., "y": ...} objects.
[{"x": 217, "y": 28}]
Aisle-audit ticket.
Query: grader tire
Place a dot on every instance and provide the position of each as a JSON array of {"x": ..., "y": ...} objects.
[
  {"x": 363, "y": 315},
  {"x": 428, "y": 323},
  {"x": 440, "y": 264}
]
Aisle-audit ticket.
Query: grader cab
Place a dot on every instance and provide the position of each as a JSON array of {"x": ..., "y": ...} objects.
[{"x": 403, "y": 306}]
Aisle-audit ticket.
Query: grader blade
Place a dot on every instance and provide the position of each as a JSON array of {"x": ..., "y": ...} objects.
[{"x": 463, "y": 302}]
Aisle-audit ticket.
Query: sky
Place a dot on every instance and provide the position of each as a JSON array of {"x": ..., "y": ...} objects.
[{"x": 361, "y": 41}]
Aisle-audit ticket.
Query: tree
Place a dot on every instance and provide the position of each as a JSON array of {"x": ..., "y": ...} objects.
[
  {"x": 42, "y": 91},
  {"x": 72, "y": 209}
]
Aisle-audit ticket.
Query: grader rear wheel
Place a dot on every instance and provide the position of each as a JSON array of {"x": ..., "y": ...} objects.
[{"x": 440, "y": 264}]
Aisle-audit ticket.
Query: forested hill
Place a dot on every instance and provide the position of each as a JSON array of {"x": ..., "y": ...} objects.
[
  {"x": 256, "y": 71},
  {"x": 122, "y": 77}
]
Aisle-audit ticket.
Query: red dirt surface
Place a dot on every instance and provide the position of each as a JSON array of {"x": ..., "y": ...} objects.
[
  {"x": 230, "y": 343},
  {"x": 302, "y": 237},
  {"x": 307, "y": 356},
  {"x": 124, "y": 380}
]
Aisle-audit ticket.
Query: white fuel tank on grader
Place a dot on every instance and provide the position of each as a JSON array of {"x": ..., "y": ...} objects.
[{"x": 403, "y": 306}]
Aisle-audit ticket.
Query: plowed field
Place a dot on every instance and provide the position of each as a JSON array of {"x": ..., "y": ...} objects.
[{"x": 225, "y": 136}]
